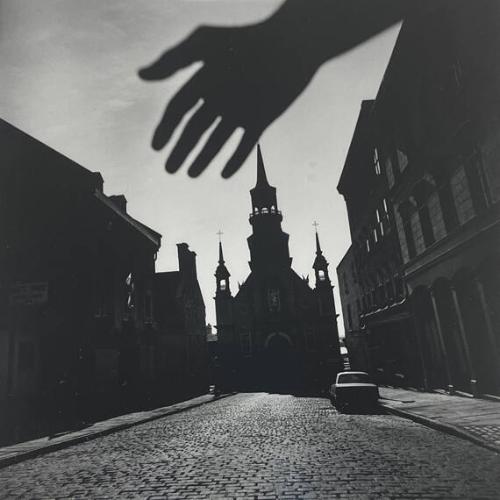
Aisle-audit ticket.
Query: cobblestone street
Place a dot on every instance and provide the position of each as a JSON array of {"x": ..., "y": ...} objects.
[{"x": 263, "y": 446}]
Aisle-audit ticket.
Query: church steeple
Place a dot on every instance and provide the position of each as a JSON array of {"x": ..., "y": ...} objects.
[
  {"x": 263, "y": 195},
  {"x": 261, "y": 171},
  {"x": 268, "y": 243},
  {"x": 222, "y": 275},
  {"x": 320, "y": 265}
]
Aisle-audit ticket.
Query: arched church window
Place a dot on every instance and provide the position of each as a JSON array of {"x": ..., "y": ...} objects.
[
  {"x": 256, "y": 210},
  {"x": 265, "y": 210},
  {"x": 321, "y": 275},
  {"x": 223, "y": 285},
  {"x": 273, "y": 209}
]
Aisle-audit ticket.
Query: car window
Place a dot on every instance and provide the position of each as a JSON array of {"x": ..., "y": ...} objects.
[{"x": 354, "y": 378}]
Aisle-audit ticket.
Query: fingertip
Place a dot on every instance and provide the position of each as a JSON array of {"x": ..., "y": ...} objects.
[
  {"x": 156, "y": 144},
  {"x": 144, "y": 73},
  {"x": 171, "y": 166},
  {"x": 193, "y": 173},
  {"x": 227, "y": 172}
]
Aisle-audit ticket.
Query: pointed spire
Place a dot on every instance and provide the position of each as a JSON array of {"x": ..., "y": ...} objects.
[
  {"x": 318, "y": 246},
  {"x": 221, "y": 255},
  {"x": 261, "y": 171}
]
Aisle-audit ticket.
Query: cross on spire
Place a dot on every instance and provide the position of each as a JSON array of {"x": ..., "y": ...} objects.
[
  {"x": 316, "y": 225},
  {"x": 219, "y": 234}
]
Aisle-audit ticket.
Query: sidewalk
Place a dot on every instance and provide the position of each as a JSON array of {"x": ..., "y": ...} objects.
[
  {"x": 477, "y": 420},
  {"x": 29, "y": 449}
]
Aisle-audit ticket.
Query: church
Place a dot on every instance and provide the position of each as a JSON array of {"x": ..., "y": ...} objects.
[{"x": 276, "y": 333}]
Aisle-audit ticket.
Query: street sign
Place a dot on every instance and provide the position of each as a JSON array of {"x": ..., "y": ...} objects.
[{"x": 29, "y": 293}]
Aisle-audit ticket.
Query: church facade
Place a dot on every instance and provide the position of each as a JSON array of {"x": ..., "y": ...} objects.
[{"x": 276, "y": 333}]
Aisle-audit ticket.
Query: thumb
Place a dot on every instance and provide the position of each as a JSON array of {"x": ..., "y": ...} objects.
[{"x": 182, "y": 55}]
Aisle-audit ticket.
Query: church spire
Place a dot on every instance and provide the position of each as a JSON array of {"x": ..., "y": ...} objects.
[
  {"x": 221, "y": 254},
  {"x": 318, "y": 246},
  {"x": 320, "y": 265},
  {"x": 261, "y": 171},
  {"x": 222, "y": 275}
]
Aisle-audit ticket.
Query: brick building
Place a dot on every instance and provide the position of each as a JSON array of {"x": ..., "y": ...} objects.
[
  {"x": 79, "y": 338},
  {"x": 180, "y": 316},
  {"x": 377, "y": 322},
  {"x": 436, "y": 129}
]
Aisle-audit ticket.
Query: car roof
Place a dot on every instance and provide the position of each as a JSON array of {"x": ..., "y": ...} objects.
[{"x": 353, "y": 373}]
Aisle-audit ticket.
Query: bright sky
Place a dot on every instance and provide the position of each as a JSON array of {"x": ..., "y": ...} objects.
[{"x": 69, "y": 78}]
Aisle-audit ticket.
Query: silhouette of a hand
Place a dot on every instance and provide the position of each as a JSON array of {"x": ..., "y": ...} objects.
[
  {"x": 251, "y": 74},
  {"x": 247, "y": 80}
]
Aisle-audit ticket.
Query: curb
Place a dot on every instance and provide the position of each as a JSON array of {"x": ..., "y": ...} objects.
[
  {"x": 440, "y": 426},
  {"x": 49, "y": 448}
]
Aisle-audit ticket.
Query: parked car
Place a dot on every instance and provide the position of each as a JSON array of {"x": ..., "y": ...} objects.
[{"x": 354, "y": 390}]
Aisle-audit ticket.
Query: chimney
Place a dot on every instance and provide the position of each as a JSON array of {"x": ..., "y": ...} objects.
[
  {"x": 119, "y": 201},
  {"x": 97, "y": 181},
  {"x": 187, "y": 261}
]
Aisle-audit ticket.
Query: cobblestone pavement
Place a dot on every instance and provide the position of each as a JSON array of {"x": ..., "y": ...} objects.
[{"x": 263, "y": 446}]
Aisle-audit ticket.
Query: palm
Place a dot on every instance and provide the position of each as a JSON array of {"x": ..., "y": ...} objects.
[{"x": 247, "y": 79}]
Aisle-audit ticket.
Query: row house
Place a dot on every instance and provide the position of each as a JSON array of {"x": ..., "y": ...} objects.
[
  {"x": 439, "y": 109},
  {"x": 377, "y": 320},
  {"x": 79, "y": 334},
  {"x": 436, "y": 131}
]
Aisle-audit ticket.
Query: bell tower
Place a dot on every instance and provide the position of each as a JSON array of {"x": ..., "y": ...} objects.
[
  {"x": 320, "y": 267},
  {"x": 268, "y": 243},
  {"x": 223, "y": 304},
  {"x": 222, "y": 277}
]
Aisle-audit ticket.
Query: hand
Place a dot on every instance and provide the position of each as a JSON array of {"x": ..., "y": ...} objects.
[{"x": 250, "y": 75}]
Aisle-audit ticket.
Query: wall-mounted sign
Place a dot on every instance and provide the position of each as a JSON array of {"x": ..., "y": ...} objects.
[{"x": 29, "y": 293}]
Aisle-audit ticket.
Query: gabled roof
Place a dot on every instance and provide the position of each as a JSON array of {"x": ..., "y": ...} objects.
[{"x": 25, "y": 158}]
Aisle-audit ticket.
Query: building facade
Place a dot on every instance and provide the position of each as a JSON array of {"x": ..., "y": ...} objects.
[
  {"x": 180, "y": 316},
  {"x": 377, "y": 320},
  {"x": 276, "y": 333},
  {"x": 436, "y": 129},
  {"x": 79, "y": 334}
]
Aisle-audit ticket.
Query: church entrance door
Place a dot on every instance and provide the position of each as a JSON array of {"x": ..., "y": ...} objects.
[{"x": 279, "y": 373}]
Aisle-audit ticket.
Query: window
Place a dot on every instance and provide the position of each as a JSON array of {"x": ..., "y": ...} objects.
[
  {"x": 223, "y": 285},
  {"x": 375, "y": 235},
  {"x": 265, "y": 210},
  {"x": 386, "y": 210},
  {"x": 246, "y": 343},
  {"x": 273, "y": 300},
  {"x": 368, "y": 245},
  {"x": 462, "y": 196},
  {"x": 390, "y": 173},
  {"x": 376, "y": 162},
  {"x": 130, "y": 290},
  {"x": 321, "y": 275},
  {"x": 402, "y": 160},
  {"x": 273, "y": 209}
]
